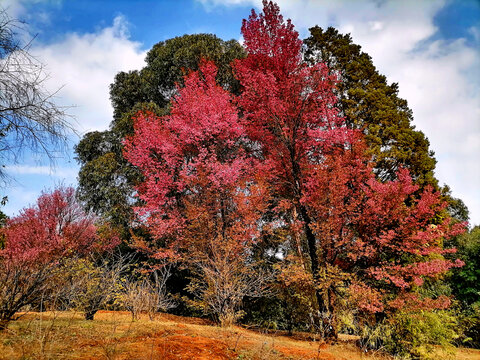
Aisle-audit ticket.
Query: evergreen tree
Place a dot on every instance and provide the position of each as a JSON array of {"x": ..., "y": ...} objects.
[{"x": 368, "y": 102}]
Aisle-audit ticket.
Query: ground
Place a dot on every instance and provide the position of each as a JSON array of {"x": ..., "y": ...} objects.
[{"x": 113, "y": 335}]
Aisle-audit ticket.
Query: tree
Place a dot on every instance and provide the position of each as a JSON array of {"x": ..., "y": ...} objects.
[
  {"x": 201, "y": 198},
  {"x": 369, "y": 103},
  {"x": 356, "y": 227},
  {"x": 35, "y": 245},
  {"x": 93, "y": 282},
  {"x": 466, "y": 281},
  {"x": 29, "y": 117},
  {"x": 106, "y": 179},
  {"x": 292, "y": 119},
  {"x": 384, "y": 238}
]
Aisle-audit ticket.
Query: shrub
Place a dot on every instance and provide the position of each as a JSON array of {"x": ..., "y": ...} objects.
[
  {"x": 470, "y": 326},
  {"x": 413, "y": 335},
  {"x": 146, "y": 296},
  {"x": 94, "y": 283}
]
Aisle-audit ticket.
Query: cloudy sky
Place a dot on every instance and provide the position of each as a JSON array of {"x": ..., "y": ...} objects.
[{"x": 430, "y": 47}]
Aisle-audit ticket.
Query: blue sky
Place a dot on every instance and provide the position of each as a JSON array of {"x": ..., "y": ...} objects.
[{"x": 431, "y": 48}]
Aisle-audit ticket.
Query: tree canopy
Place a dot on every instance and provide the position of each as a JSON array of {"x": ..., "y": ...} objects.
[
  {"x": 369, "y": 103},
  {"x": 366, "y": 101},
  {"x": 106, "y": 179}
]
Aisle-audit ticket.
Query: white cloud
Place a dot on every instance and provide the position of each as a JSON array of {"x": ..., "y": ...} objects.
[
  {"x": 14, "y": 8},
  {"x": 439, "y": 79},
  {"x": 17, "y": 9},
  {"x": 58, "y": 172},
  {"x": 84, "y": 65}
]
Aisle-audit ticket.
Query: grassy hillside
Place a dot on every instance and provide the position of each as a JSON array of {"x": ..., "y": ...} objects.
[{"x": 112, "y": 335}]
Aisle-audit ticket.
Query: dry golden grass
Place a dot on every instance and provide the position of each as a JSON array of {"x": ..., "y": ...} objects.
[{"x": 112, "y": 335}]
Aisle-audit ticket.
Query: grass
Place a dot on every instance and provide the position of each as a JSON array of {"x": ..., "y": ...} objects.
[{"x": 112, "y": 335}]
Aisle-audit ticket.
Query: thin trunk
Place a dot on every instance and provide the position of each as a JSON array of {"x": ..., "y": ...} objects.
[
  {"x": 302, "y": 211},
  {"x": 297, "y": 240},
  {"x": 326, "y": 306},
  {"x": 312, "y": 251},
  {"x": 332, "y": 331},
  {"x": 323, "y": 303}
]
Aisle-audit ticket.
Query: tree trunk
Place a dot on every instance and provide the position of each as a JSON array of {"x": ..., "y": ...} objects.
[
  {"x": 326, "y": 306},
  {"x": 90, "y": 314},
  {"x": 312, "y": 251},
  {"x": 323, "y": 303},
  {"x": 332, "y": 331}
]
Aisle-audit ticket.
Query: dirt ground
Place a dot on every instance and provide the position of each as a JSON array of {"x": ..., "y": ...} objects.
[{"x": 113, "y": 335}]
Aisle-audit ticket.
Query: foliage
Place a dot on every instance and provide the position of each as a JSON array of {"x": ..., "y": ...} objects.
[
  {"x": 414, "y": 334},
  {"x": 289, "y": 115},
  {"x": 367, "y": 102},
  {"x": 465, "y": 285},
  {"x": 95, "y": 282},
  {"x": 106, "y": 179},
  {"x": 306, "y": 143},
  {"x": 469, "y": 320},
  {"x": 37, "y": 244},
  {"x": 266, "y": 312},
  {"x": 167, "y": 63},
  {"x": 381, "y": 239},
  {"x": 465, "y": 281},
  {"x": 296, "y": 288},
  {"x": 289, "y": 161}
]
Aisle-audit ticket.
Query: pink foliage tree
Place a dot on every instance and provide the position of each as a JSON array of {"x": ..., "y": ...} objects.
[
  {"x": 36, "y": 243},
  {"x": 202, "y": 199}
]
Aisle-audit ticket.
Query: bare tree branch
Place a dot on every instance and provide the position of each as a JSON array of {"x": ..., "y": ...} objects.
[{"x": 29, "y": 117}]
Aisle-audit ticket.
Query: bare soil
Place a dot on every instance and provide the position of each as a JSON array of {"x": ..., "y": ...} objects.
[{"x": 113, "y": 335}]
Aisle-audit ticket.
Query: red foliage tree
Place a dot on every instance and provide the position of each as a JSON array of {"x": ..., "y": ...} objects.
[
  {"x": 385, "y": 236},
  {"x": 353, "y": 224},
  {"x": 37, "y": 241},
  {"x": 289, "y": 112}
]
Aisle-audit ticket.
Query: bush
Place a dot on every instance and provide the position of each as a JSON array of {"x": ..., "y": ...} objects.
[
  {"x": 146, "y": 296},
  {"x": 413, "y": 335},
  {"x": 470, "y": 326},
  {"x": 266, "y": 313},
  {"x": 94, "y": 282}
]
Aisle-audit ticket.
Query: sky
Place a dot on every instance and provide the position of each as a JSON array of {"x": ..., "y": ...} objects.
[{"x": 431, "y": 48}]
